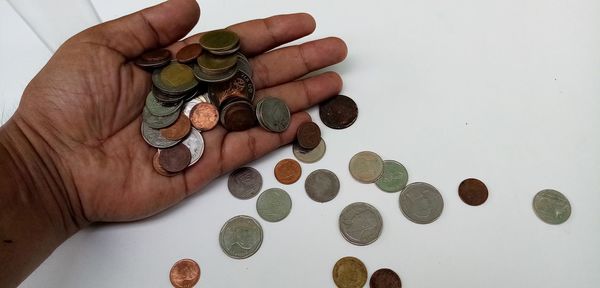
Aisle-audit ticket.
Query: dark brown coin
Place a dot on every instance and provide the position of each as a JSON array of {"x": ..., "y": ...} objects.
[
  {"x": 238, "y": 116},
  {"x": 473, "y": 192},
  {"x": 288, "y": 171},
  {"x": 385, "y": 278},
  {"x": 158, "y": 168},
  {"x": 175, "y": 159},
  {"x": 338, "y": 112},
  {"x": 308, "y": 135},
  {"x": 177, "y": 130},
  {"x": 188, "y": 53},
  {"x": 154, "y": 59}
]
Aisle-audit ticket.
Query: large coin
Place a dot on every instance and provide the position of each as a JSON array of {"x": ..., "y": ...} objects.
[
  {"x": 309, "y": 156},
  {"x": 238, "y": 116},
  {"x": 350, "y": 272},
  {"x": 158, "y": 122},
  {"x": 366, "y": 167},
  {"x": 308, "y": 135},
  {"x": 274, "y": 205},
  {"x": 551, "y": 206},
  {"x": 273, "y": 114},
  {"x": 154, "y": 139},
  {"x": 185, "y": 273},
  {"x": 288, "y": 171},
  {"x": 175, "y": 159},
  {"x": 157, "y": 108},
  {"x": 338, "y": 112},
  {"x": 194, "y": 142},
  {"x": 244, "y": 183},
  {"x": 421, "y": 203},
  {"x": 473, "y": 192},
  {"x": 394, "y": 177},
  {"x": 240, "y": 237},
  {"x": 360, "y": 223},
  {"x": 219, "y": 40},
  {"x": 385, "y": 278},
  {"x": 174, "y": 79},
  {"x": 322, "y": 185},
  {"x": 213, "y": 64}
]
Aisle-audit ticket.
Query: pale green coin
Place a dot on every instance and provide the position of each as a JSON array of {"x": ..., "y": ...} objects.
[
  {"x": 274, "y": 205},
  {"x": 394, "y": 177},
  {"x": 158, "y": 109},
  {"x": 551, "y": 206}
]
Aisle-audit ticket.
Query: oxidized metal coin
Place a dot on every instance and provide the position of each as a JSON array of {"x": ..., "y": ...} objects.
[
  {"x": 273, "y": 114},
  {"x": 240, "y": 237},
  {"x": 243, "y": 64},
  {"x": 274, "y": 205},
  {"x": 350, "y": 272},
  {"x": 185, "y": 273},
  {"x": 394, "y": 177},
  {"x": 308, "y": 135},
  {"x": 360, "y": 223},
  {"x": 194, "y": 142},
  {"x": 385, "y": 278},
  {"x": 159, "y": 169},
  {"x": 421, "y": 203},
  {"x": 309, "y": 156},
  {"x": 240, "y": 85},
  {"x": 219, "y": 40},
  {"x": 244, "y": 183},
  {"x": 213, "y": 78},
  {"x": 551, "y": 206},
  {"x": 204, "y": 116},
  {"x": 174, "y": 79},
  {"x": 154, "y": 59},
  {"x": 212, "y": 64},
  {"x": 158, "y": 109},
  {"x": 338, "y": 112},
  {"x": 154, "y": 139},
  {"x": 175, "y": 159},
  {"x": 166, "y": 99},
  {"x": 288, "y": 171},
  {"x": 202, "y": 98},
  {"x": 322, "y": 185},
  {"x": 188, "y": 53},
  {"x": 366, "y": 167},
  {"x": 238, "y": 116},
  {"x": 473, "y": 192},
  {"x": 158, "y": 122},
  {"x": 177, "y": 130}
]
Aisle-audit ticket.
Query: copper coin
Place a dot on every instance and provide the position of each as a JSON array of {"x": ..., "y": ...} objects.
[
  {"x": 177, "y": 130},
  {"x": 204, "y": 116},
  {"x": 385, "y": 278},
  {"x": 188, "y": 53},
  {"x": 308, "y": 135},
  {"x": 338, "y": 112},
  {"x": 473, "y": 192},
  {"x": 185, "y": 273},
  {"x": 238, "y": 116},
  {"x": 159, "y": 169},
  {"x": 154, "y": 58},
  {"x": 350, "y": 272},
  {"x": 288, "y": 171},
  {"x": 175, "y": 159}
]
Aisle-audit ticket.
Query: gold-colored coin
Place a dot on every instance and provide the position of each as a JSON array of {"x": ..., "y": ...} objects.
[
  {"x": 216, "y": 64},
  {"x": 219, "y": 40},
  {"x": 174, "y": 79},
  {"x": 349, "y": 272}
]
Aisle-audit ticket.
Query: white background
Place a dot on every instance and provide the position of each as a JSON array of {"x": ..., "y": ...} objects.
[{"x": 506, "y": 91}]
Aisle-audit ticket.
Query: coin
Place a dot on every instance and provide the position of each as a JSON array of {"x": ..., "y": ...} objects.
[
  {"x": 202, "y": 98},
  {"x": 309, "y": 156},
  {"x": 241, "y": 237},
  {"x": 308, "y": 135},
  {"x": 219, "y": 40},
  {"x": 350, "y": 272},
  {"x": 158, "y": 168},
  {"x": 338, "y": 112},
  {"x": 385, "y": 278},
  {"x": 551, "y": 206},
  {"x": 421, "y": 203},
  {"x": 158, "y": 109},
  {"x": 213, "y": 64},
  {"x": 177, "y": 130},
  {"x": 204, "y": 116},
  {"x": 238, "y": 116},
  {"x": 185, "y": 273},
  {"x": 288, "y": 171},
  {"x": 195, "y": 143},
  {"x": 366, "y": 167},
  {"x": 473, "y": 192},
  {"x": 154, "y": 59},
  {"x": 322, "y": 185},
  {"x": 175, "y": 159},
  {"x": 167, "y": 99},
  {"x": 154, "y": 139},
  {"x": 212, "y": 78},
  {"x": 174, "y": 79},
  {"x": 243, "y": 64},
  {"x": 360, "y": 223},
  {"x": 240, "y": 85},
  {"x": 244, "y": 183},
  {"x": 394, "y": 177},
  {"x": 158, "y": 122},
  {"x": 188, "y": 53},
  {"x": 274, "y": 205},
  {"x": 273, "y": 114}
]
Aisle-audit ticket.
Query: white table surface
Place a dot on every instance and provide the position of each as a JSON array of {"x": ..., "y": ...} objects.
[{"x": 505, "y": 91}]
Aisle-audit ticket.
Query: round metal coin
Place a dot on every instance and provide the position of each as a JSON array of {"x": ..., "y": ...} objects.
[
  {"x": 202, "y": 98},
  {"x": 177, "y": 130},
  {"x": 194, "y": 142},
  {"x": 240, "y": 237},
  {"x": 274, "y": 205},
  {"x": 309, "y": 156},
  {"x": 360, "y": 223},
  {"x": 308, "y": 135},
  {"x": 394, "y": 177},
  {"x": 273, "y": 114},
  {"x": 213, "y": 78},
  {"x": 158, "y": 122},
  {"x": 421, "y": 203},
  {"x": 213, "y": 64},
  {"x": 244, "y": 64},
  {"x": 473, "y": 192},
  {"x": 385, "y": 278},
  {"x": 350, "y": 272},
  {"x": 188, "y": 53},
  {"x": 240, "y": 85},
  {"x": 185, "y": 273},
  {"x": 338, "y": 112},
  {"x": 158, "y": 109},
  {"x": 154, "y": 59},
  {"x": 551, "y": 206},
  {"x": 238, "y": 116},
  {"x": 322, "y": 185},
  {"x": 288, "y": 171},
  {"x": 204, "y": 116},
  {"x": 366, "y": 167},
  {"x": 154, "y": 139},
  {"x": 218, "y": 40},
  {"x": 159, "y": 169},
  {"x": 175, "y": 159},
  {"x": 174, "y": 79},
  {"x": 244, "y": 183}
]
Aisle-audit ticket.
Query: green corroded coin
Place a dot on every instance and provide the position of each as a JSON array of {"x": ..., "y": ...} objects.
[
  {"x": 158, "y": 109},
  {"x": 174, "y": 79},
  {"x": 551, "y": 206},
  {"x": 394, "y": 177},
  {"x": 273, "y": 114},
  {"x": 158, "y": 122},
  {"x": 219, "y": 40},
  {"x": 274, "y": 205}
]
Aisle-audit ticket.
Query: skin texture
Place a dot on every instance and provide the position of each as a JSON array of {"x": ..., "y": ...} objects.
[{"x": 72, "y": 153}]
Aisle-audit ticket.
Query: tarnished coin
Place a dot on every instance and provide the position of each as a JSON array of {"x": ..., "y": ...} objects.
[
  {"x": 421, "y": 203},
  {"x": 322, "y": 185},
  {"x": 243, "y": 64},
  {"x": 204, "y": 116},
  {"x": 385, "y": 278},
  {"x": 174, "y": 79},
  {"x": 274, "y": 205},
  {"x": 219, "y": 40},
  {"x": 338, "y": 112},
  {"x": 177, "y": 130},
  {"x": 158, "y": 109},
  {"x": 309, "y": 156},
  {"x": 273, "y": 114},
  {"x": 159, "y": 169},
  {"x": 188, "y": 53},
  {"x": 308, "y": 135},
  {"x": 213, "y": 78},
  {"x": 551, "y": 206},
  {"x": 366, "y": 167},
  {"x": 240, "y": 85},
  {"x": 167, "y": 99},
  {"x": 154, "y": 59},
  {"x": 238, "y": 116},
  {"x": 185, "y": 273},
  {"x": 360, "y": 223},
  {"x": 175, "y": 159},
  {"x": 194, "y": 142},
  {"x": 213, "y": 64},
  {"x": 158, "y": 122},
  {"x": 473, "y": 192},
  {"x": 288, "y": 171},
  {"x": 226, "y": 52},
  {"x": 154, "y": 139},
  {"x": 244, "y": 183},
  {"x": 202, "y": 98},
  {"x": 350, "y": 272},
  {"x": 240, "y": 237},
  {"x": 394, "y": 177}
]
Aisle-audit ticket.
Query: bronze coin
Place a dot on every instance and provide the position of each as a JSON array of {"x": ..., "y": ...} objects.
[
  {"x": 473, "y": 192},
  {"x": 159, "y": 169},
  {"x": 238, "y": 116},
  {"x": 154, "y": 58},
  {"x": 338, "y": 112},
  {"x": 175, "y": 159},
  {"x": 189, "y": 53},
  {"x": 185, "y": 273},
  {"x": 308, "y": 135},
  {"x": 177, "y": 130},
  {"x": 204, "y": 116},
  {"x": 350, "y": 272},
  {"x": 385, "y": 278},
  {"x": 288, "y": 171}
]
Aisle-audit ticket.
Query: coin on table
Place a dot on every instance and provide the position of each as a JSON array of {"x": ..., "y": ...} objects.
[
  {"x": 188, "y": 53},
  {"x": 350, "y": 272},
  {"x": 219, "y": 40},
  {"x": 158, "y": 122},
  {"x": 322, "y": 185},
  {"x": 309, "y": 156},
  {"x": 158, "y": 109},
  {"x": 174, "y": 79},
  {"x": 159, "y": 169},
  {"x": 473, "y": 192},
  {"x": 154, "y": 59},
  {"x": 273, "y": 114},
  {"x": 551, "y": 206},
  {"x": 185, "y": 273},
  {"x": 238, "y": 116},
  {"x": 175, "y": 159},
  {"x": 274, "y": 204},
  {"x": 244, "y": 183},
  {"x": 204, "y": 116},
  {"x": 394, "y": 177},
  {"x": 360, "y": 223},
  {"x": 366, "y": 167},
  {"x": 421, "y": 203},
  {"x": 154, "y": 139},
  {"x": 308, "y": 135},
  {"x": 288, "y": 171},
  {"x": 241, "y": 237},
  {"x": 177, "y": 130},
  {"x": 240, "y": 85},
  {"x": 385, "y": 278},
  {"x": 338, "y": 112},
  {"x": 195, "y": 143}
]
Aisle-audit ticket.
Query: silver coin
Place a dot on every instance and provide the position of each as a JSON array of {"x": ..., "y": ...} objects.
[
  {"x": 195, "y": 142},
  {"x": 551, "y": 206},
  {"x": 158, "y": 122},
  {"x": 187, "y": 108},
  {"x": 154, "y": 139},
  {"x": 202, "y": 76},
  {"x": 274, "y": 204},
  {"x": 322, "y": 185},
  {"x": 158, "y": 109},
  {"x": 366, "y": 167},
  {"x": 421, "y": 203},
  {"x": 394, "y": 177},
  {"x": 360, "y": 223},
  {"x": 273, "y": 114},
  {"x": 309, "y": 156},
  {"x": 244, "y": 183},
  {"x": 244, "y": 64},
  {"x": 240, "y": 237}
]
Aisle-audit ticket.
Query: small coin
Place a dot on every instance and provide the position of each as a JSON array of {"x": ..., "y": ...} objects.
[
  {"x": 158, "y": 122},
  {"x": 274, "y": 205},
  {"x": 473, "y": 192},
  {"x": 385, "y": 278},
  {"x": 309, "y": 156},
  {"x": 244, "y": 183},
  {"x": 177, "y": 130},
  {"x": 175, "y": 159},
  {"x": 158, "y": 168},
  {"x": 185, "y": 273},
  {"x": 204, "y": 116},
  {"x": 360, "y": 223},
  {"x": 154, "y": 59},
  {"x": 273, "y": 114},
  {"x": 421, "y": 203},
  {"x": 202, "y": 98},
  {"x": 240, "y": 85},
  {"x": 366, "y": 167},
  {"x": 322, "y": 185},
  {"x": 350, "y": 272},
  {"x": 213, "y": 78},
  {"x": 308, "y": 135},
  {"x": 338, "y": 112},
  {"x": 188, "y": 53},
  {"x": 551, "y": 206},
  {"x": 241, "y": 237},
  {"x": 238, "y": 116},
  {"x": 154, "y": 139},
  {"x": 288, "y": 171},
  {"x": 394, "y": 177},
  {"x": 158, "y": 109},
  {"x": 195, "y": 143},
  {"x": 219, "y": 40},
  {"x": 174, "y": 79}
]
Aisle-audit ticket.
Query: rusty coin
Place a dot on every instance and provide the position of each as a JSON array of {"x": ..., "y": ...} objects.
[
  {"x": 154, "y": 59},
  {"x": 238, "y": 116},
  {"x": 385, "y": 278},
  {"x": 188, "y": 53},
  {"x": 177, "y": 130},
  {"x": 204, "y": 116},
  {"x": 185, "y": 273},
  {"x": 308, "y": 135},
  {"x": 175, "y": 159},
  {"x": 349, "y": 272},
  {"x": 473, "y": 192},
  {"x": 338, "y": 112},
  {"x": 288, "y": 171},
  {"x": 159, "y": 169}
]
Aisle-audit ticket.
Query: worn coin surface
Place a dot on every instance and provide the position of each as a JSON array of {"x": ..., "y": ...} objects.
[
  {"x": 238, "y": 116},
  {"x": 421, "y": 203},
  {"x": 166, "y": 99},
  {"x": 174, "y": 79},
  {"x": 213, "y": 64},
  {"x": 154, "y": 139},
  {"x": 175, "y": 159},
  {"x": 309, "y": 156},
  {"x": 243, "y": 64},
  {"x": 240, "y": 237},
  {"x": 240, "y": 85},
  {"x": 273, "y": 114},
  {"x": 360, "y": 223},
  {"x": 385, "y": 278},
  {"x": 202, "y": 98},
  {"x": 308, "y": 135},
  {"x": 288, "y": 171},
  {"x": 195, "y": 142},
  {"x": 473, "y": 192},
  {"x": 394, "y": 177},
  {"x": 204, "y": 116},
  {"x": 158, "y": 122},
  {"x": 185, "y": 273},
  {"x": 244, "y": 182},
  {"x": 158, "y": 109},
  {"x": 189, "y": 53},
  {"x": 218, "y": 40},
  {"x": 338, "y": 112},
  {"x": 215, "y": 77},
  {"x": 177, "y": 130},
  {"x": 322, "y": 185},
  {"x": 350, "y": 272},
  {"x": 154, "y": 59},
  {"x": 366, "y": 167},
  {"x": 158, "y": 168},
  {"x": 274, "y": 204},
  {"x": 551, "y": 206}
]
